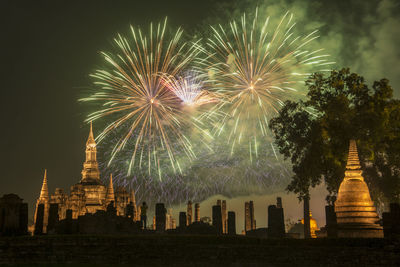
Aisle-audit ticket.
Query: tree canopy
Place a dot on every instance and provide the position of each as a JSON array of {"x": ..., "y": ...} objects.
[{"x": 314, "y": 134}]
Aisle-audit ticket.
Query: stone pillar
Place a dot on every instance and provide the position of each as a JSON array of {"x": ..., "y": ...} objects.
[
  {"x": 111, "y": 210},
  {"x": 391, "y": 222},
  {"x": 231, "y": 223},
  {"x": 217, "y": 218},
  {"x": 247, "y": 220},
  {"x": 197, "y": 212},
  {"x": 2, "y": 219},
  {"x": 169, "y": 219},
  {"x": 395, "y": 219},
  {"x": 129, "y": 212},
  {"x": 23, "y": 218},
  {"x": 182, "y": 220},
  {"x": 160, "y": 217},
  {"x": 331, "y": 224},
  {"x": 68, "y": 221},
  {"x": 306, "y": 211},
  {"x": 252, "y": 218},
  {"x": 387, "y": 225},
  {"x": 276, "y": 221},
  {"x": 53, "y": 217},
  {"x": 39, "y": 219},
  {"x": 224, "y": 217},
  {"x": 189, "y": 213}
]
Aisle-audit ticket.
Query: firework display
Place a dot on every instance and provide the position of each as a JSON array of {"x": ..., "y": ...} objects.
[
  {"x": 132, "y": 93},
  {"x": 189, "y": 88},
  {"x": 191, "y": 118},
  {"x": 207, "y": 175},
  {"x": 256, "y": 67}
]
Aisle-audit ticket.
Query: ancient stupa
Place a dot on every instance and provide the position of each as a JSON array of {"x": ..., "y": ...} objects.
[
  {"x": 313, "y": 226},
  {"x": 355, "y": 211}
]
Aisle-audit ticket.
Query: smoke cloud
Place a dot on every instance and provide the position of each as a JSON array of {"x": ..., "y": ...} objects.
[{"x": 362, "y": 35}]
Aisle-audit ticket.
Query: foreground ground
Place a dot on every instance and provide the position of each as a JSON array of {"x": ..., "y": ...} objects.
[{"x": 167, "y": 250}]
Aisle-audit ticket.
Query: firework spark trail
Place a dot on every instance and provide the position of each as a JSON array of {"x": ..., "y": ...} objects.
[
  {"x": 256, "y": 71},
  {"x": 189, "y": 88},
  {"x": 205, "y": 176},
  {"x": 150, "y": 99},
  {"x": 131, "y": 93},
  {"x": 175, "y": 189}
]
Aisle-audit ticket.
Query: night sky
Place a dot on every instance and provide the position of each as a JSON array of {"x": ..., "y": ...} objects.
[{"x": 48, "y": 49}]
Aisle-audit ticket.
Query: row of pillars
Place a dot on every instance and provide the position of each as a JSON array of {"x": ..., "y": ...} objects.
[{"x": 54, "y": 217}]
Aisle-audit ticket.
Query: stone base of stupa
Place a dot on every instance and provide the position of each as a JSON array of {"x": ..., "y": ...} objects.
[{"x": 359, "y": 231}]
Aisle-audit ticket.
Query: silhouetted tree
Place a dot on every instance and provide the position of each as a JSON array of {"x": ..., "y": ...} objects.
[{"x": 314, "y": 134}]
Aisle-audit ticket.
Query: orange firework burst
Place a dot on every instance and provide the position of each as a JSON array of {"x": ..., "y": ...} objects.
[{"x": 133, "y": 97}]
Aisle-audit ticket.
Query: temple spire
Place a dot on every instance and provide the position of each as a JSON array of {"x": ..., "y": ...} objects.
[
  {"x": 44, "y": 193},
  {"x": 353, "y": 167},
  {"x": 110, "y": 191},
  {"x": 90, "y": 172},
  {"x": 91, "y": 136}
]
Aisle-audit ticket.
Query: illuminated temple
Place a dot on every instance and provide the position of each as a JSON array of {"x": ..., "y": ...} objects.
[
  {"x": 313, "y": 226},
  {"x": 355, "y": 211},
  {"x": 89, "y": 195}
]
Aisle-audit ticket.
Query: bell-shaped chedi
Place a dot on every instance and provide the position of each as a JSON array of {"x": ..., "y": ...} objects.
[
  {"x": 313, "y": 226},
  {"x": 355, "y": 211}
]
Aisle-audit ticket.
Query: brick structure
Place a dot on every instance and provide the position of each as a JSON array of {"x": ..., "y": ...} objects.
[
  {"x": 53, "y": 217},
  {"x": 160, "y": 217},
  {"x": 276, "y": 221},
  {"x": 249, "y": 221},
  {"x": 331, "y": 223},
  {"x": 39, "y": 220},
  {"x": 87, "y": 196},
  {"x": 182, "y": 220},
  {"x": 217, "y": 218},
  {"x": 231, "y": 223},
  {"x": 189, "y": 213},
  {"x": 355, "y": 212},
  {"x": 224, "y": 217},
  {"x": 13, "y": 215},
  {"x": 391, "y": 222},
  {"x": 197, "y": 212}
]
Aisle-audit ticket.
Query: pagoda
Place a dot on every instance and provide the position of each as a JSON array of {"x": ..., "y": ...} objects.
[
  {"x": 355, "y": 211},
  {"x": 89, "y": 195}
]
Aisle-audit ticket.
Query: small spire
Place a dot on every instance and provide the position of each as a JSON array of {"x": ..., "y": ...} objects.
[
  {"x": 353, "y": 167},
  {"x": 44, "y": 193},
  {"x": 352, "y": 160},
  {"x": 91, "y": 129},
  {"x": 91, "y": 137},
  {"x": 110, "y": 191}
]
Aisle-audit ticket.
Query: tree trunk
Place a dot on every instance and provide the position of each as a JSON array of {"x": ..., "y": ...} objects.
[{"x": 307, "y": 232}]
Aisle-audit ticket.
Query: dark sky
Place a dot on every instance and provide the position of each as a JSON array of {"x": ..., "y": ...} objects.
[{"x": 48, "y": 48}]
